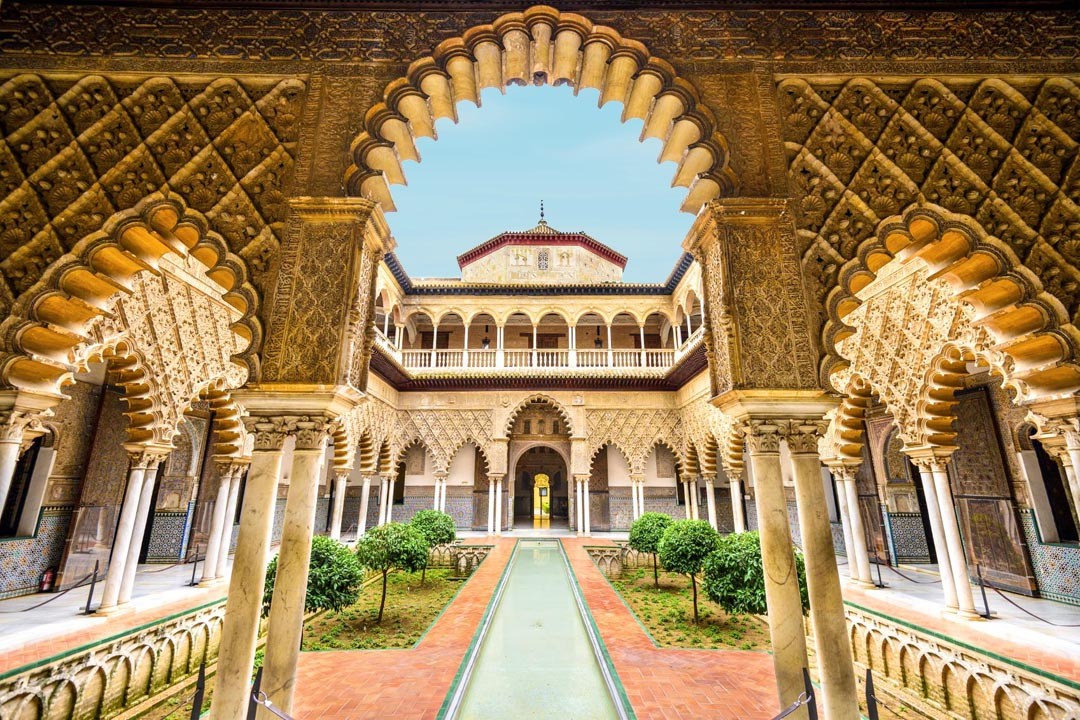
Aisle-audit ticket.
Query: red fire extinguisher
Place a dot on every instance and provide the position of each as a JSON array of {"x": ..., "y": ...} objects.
[{"x": 47, "y": 579}]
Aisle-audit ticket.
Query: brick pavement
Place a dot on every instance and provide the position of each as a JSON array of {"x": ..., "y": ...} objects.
[{"x": 665, "y": 683}]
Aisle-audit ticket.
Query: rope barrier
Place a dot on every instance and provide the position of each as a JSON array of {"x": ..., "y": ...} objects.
[
  {"x": 911, "y": 579},
  {"x": 261, "y": 699},
  {"x": 1028, "y": 612},
  {"x": 803, "y": 699},
  {"x": 79, "y": 584}
]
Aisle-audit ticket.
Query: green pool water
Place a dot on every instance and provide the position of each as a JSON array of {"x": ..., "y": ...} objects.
[{"x": 536, "y": 659}]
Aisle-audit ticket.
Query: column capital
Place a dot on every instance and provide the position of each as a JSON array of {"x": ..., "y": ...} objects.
[
  {"x": 342, "y": 473},
  {"x": 311, "y": 432},
  {"x": 637, "y": 477},
  {"x": 710, "y": 480},
  {"x": 147, "y": 457},
  {"x": 581, "y": 478},
  {"x": 15, "y": 423},
  {"x": 802, "y": 434},
  {"x": 843, "y": 471},
  {"x": 763, "y": 437},
  {"x": 931, "y": 458}
]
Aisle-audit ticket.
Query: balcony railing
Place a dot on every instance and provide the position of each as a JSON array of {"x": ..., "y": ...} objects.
[{"x": 601, "y": 360}]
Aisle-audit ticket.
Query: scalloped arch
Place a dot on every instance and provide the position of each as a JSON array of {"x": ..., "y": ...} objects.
[
  {"x": 48, "y": 323},
  {"x": 538, "y": 397},
  {"x": 542, "y": 46},
  {"x": 981, "y": 304}
]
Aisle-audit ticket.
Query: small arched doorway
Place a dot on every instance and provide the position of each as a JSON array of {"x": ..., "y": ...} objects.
[{"x": 541, "y": 489}]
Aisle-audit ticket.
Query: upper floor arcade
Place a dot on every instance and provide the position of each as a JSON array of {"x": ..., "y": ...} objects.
[{"x": 561, "y": 312}]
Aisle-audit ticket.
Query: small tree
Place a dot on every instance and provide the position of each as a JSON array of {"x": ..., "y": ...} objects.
[
  {"x": 393, "y": 546},
  {"x": 734, "y": 576},
  {"x": 334, "y": 577},
  {"x": 437, "y": 528},
  {"x": 684, "y": 547},
  {"x": 645, "y": 536}
]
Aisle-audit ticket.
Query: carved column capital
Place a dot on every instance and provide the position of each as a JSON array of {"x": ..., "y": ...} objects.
[
  {"x": 763, "y": 437},
  {"x": 268, "y": 431},
  {"x": 802, "y": 435},
  {"x": 14, "y": 424},
  {"x": 843, "y": 472},
  {"x": 930, "y": 459},
  {"x": 311, "y": 431},
  {"x": 147, "y": 457}
]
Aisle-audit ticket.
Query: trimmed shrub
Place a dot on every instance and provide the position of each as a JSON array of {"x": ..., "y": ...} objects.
[
  {"x": 437, "y": 528},
  {"x": 334, "y": 577},
  {"x": 735, "y": 577},
  {"x": 684, "y": 547},
  {"x": 645, "y": 536},
  {"x": 393, "y": 546}
]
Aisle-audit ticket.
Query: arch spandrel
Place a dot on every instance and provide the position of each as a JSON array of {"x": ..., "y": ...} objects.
[{"x": 542, "y": 46}]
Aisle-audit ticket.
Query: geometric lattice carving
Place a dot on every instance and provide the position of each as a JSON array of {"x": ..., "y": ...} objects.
[
  {"x": 634, "y": 432},
  {"x": 1004, "y": 154},
  {"x": 74, "y": 154}
]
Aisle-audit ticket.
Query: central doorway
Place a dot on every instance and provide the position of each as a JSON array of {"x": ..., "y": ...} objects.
[{"x": 541, "y": 490}]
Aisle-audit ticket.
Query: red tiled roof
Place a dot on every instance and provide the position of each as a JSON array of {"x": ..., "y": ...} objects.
[{"x": 542, "y": 234}]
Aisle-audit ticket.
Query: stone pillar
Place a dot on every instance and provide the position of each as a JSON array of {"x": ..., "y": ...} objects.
[
  {"x": 290, "y": 586},
  {"x": 11, "y": 437},
  {"x": 710, "y": 499},
  {"x": 937, "y": 529},
  {"x": 390, "y": 498},
  {"x": 695, "y": 500},
  {"x": 230, "y": 513},
  {"x": 492, "y": 479},
  {"x": 831, "y": 641},
  {"x": 845, "y": 521},
  {"x": 637, "y": 481},
  {"x": 579, "y": 506},
  {"x": 240, "y": 629},
  {"x": 498, "y": 504},
  {"x": 782, "y": 595},
  {"x": 383, "y": 487},
  {"x": 687, "y": 501},
  {"x": 216, "y": 539},
  {"x": 957, "y": 560},
  {"x": 127, "y": 584},
  {"x": 641, "y": 497},
  {"x": 341, "y": 481},
  {"x": 365, "y": 498},
  {"x": 585, "y": 504},
  {"x": 738, "y": 514},
  {"x": 139, "y": 459},
  {"x": 858, "y": 529}
]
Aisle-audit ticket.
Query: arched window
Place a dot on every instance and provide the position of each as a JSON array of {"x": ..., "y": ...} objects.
[{"x": 542, "y": 260}]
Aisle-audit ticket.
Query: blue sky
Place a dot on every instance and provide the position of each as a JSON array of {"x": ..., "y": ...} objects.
[{"x": 489, "y": 172}]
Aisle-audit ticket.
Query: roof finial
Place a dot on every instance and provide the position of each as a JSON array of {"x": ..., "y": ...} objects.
[{"x": 541, "y": 211}]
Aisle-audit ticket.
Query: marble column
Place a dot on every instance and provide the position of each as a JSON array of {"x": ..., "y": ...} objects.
[
  {"x": 710, "y": 500},
  {"x": 214, "y": 541},
  {"x": 365, "y": 498},
  {"x": 861, "y": 558},
  {"x": 635, "y": 510},
  {"x": 738, "y": 512},
  {"x": 1072, "y": 469},
  {"x": 142, "y": 520},
  {"x": 139, "y": 459},
  {"x": 937, "y": 529},
  {"x": 840, "y": 699},
  {"x": 579, "y": 507},
  {"x": 498, "y": 504},
  {"x": 585, "y": 504},
  {"x": 695, "y": 500},
  {"x": 786, "y": 628},
  {"x": 230, "y": 513},
  {"x": 11, "y": 437},
  {"x": 243, "y": 606},
  {"x": 641, "y": 497},
  {"x": 491, "y": 504},
  {"x": 341, "y": 481},
  {"x": 384, "y": 486},
  {"x": 957, "y": 560},
  {"x": 290, "y": 587},
  {"x": 845, "y": 521},
  {"x": 687, "y": 500},
  {"x": 390, "y": 498}
]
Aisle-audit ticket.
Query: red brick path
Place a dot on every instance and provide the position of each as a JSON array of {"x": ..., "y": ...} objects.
[
  {"x": 406, "y": 684},
  {"x": 673, "y": 683},
  {"x": 413, "y": 683}
]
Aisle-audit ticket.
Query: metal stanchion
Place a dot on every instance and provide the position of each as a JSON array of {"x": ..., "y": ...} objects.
[
  {"x": 200, "y": 691},
  {"x": 982, "y": 588},
  {"x": 871, "y": 699},
  {"x": 194, "y": 565},
  {"x": 93, "y": 582},
  {"x": 808, "y": 690},
  {"x": 253, "y": 705}
]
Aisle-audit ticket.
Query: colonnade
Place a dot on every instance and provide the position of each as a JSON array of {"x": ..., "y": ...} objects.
[{"x": 230, "y": 476}]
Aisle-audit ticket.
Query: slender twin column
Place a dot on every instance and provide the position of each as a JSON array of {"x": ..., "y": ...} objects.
[
  {"x": 230, "y": 474},
  {"x": 492, "y": 479},
  {"x": 142, "y": 473},
  {"x": 579, "y": 507},
  {"x": 365, "y": 497},
  {"x": 384, "y": 505},
  {"x": 637, "y": 495},
  {"x": 782, "y": 595},
  {"x": 834, "y": 660},
  {"x": 1072, "y": 446},
  {"x": 240, "y": 629},
  {"x": 851, "y": 520},
  {"x": 341, "y": 481},
  {"x": 440, "y": 492},
  {"x": 290, "y": 586},
  {"x": 11, "y": 438},
  {"x": 498, "y": 480},
  {"x": 738, "y": 512},
  {"x": 952, "y": 545},
  {"x": 710, "y": 499},
  {"x": 584, "y": 511}
]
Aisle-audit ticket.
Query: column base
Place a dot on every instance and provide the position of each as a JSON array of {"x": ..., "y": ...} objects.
[
  {"x": 211, "y": 582},
  {"x": 119, "y": 609},
  {"x": 970, "y": 616}
]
